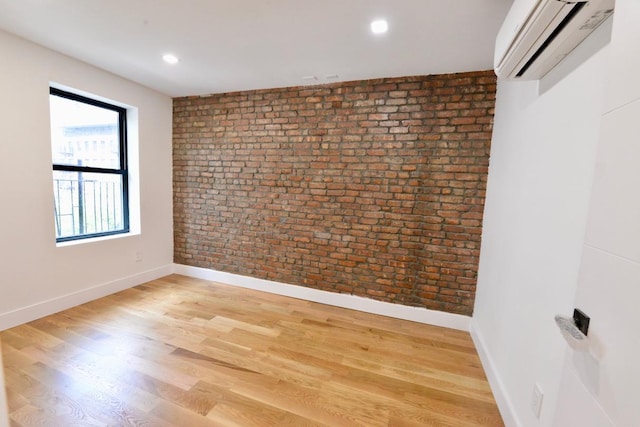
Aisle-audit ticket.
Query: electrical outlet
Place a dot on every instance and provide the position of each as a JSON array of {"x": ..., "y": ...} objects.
[
  {"x": 536, "y": 400},
  {"x": 138, "y": 256}
]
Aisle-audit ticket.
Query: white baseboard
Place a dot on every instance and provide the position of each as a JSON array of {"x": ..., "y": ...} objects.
[
  {"x": 55, "y": 305},
  {"x": 500, "y": 394},
  {"x": 398, "y": 311}
]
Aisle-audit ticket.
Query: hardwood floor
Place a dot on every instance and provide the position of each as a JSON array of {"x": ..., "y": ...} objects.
[{"x": 185, "y": 352}]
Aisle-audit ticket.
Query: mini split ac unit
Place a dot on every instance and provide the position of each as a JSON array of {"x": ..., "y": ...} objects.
[{"x": 534, "y": 39}]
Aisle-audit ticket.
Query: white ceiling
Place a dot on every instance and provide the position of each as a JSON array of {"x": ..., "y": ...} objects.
[{"x": 230, "y": 45}]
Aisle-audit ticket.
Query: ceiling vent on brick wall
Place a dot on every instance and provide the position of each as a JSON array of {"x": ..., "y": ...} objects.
[{"x": 535, "y": 39}]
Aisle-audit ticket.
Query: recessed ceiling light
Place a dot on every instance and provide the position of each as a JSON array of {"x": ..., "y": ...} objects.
[
  {"x": 170, "y": 59},
  {"x": 379, "y": 26}
]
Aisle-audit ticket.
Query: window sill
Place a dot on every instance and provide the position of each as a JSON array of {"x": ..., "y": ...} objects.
[{"x": 95, "y": 239}]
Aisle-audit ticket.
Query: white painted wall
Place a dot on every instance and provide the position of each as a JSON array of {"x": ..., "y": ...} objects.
[
  {"x": 606, "y": 381},
  {"x": 36, "y": 277},
  {"x": 541, "y": 169}
]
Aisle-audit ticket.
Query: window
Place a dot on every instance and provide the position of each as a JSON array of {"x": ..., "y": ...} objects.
[{"x": 90, "y": 178}]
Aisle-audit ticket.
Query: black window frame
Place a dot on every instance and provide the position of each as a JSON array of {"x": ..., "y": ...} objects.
[{"x": 123, "y": 170}]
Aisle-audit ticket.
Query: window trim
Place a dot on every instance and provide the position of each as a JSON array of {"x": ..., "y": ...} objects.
[{"x": 123, "y": 171}]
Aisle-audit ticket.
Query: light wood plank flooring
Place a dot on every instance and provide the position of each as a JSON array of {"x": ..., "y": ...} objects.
[{"x": 185, "y": 352}]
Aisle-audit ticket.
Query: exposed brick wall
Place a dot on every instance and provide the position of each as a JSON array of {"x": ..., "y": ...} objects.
[{"x": 374, "y": 188}]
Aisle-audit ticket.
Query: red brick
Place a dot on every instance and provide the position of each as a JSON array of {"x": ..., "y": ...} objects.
[{"x": 372, "y": 188}]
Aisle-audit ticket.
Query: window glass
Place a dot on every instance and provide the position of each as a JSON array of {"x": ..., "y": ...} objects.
[
  {"x": 83, "y": 134},
  {"x": 87, "y": 203},
  {"x": 88, "y": 148}
]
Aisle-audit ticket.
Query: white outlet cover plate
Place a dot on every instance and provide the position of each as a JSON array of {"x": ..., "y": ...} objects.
[{"x": 536, "y": 400}]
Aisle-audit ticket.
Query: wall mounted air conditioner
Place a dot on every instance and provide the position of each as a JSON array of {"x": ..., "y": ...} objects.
[{"x": 538, "y": 34}]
